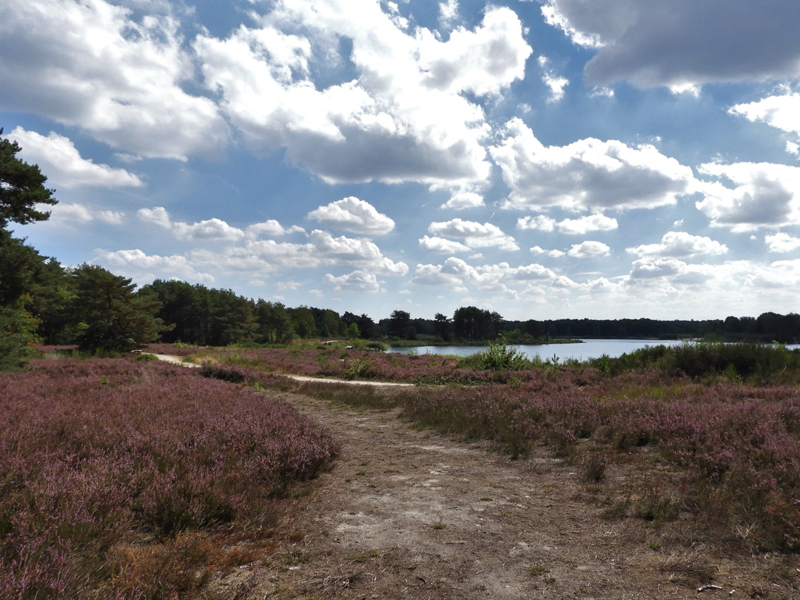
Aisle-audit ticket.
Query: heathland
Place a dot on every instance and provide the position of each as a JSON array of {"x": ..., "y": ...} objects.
[{"x": 130, "y": 478}]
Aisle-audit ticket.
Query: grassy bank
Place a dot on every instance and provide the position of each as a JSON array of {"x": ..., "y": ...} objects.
[{"x": 133, "y": 479}]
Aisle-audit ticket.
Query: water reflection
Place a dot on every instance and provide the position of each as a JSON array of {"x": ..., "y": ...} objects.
[{"x": 586, "y": 350}]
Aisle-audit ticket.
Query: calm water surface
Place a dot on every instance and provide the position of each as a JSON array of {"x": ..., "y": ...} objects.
[{"x": 584, "y": 351}]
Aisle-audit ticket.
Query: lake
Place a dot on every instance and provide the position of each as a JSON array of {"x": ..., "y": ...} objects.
[{"x": 584, "y": 351}]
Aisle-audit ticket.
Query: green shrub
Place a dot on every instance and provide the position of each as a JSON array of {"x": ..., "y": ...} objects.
[
  {"x": 497, "y": 357},
  {"x": 761, "y": 362}
]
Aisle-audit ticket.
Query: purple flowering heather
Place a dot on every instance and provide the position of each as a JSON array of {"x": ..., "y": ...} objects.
[{"x": 98, "y": 453}]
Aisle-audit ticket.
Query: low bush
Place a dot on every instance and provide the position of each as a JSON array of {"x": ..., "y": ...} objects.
[
  {"x": 497, "y": 357},
  {"x": 762, "y": 363}
]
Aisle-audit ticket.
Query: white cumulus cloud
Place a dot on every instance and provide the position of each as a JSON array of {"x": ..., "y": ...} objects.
[
  {"x": 437, "y": 244},
  {"x": 357, "y": 281},
  {"x": 91, "y": 65},
  {"x": 322, "y": 249},
  {"x": 782, "y": 243},
  {"x": 554, "y": 83},
  {"x": 155, "y": 216},
  {"x": 537, "y": 223},
  {"x": 474, "y": 235},
  {"x": 68, "y": 213},
  {"x": 210, "y": 229},
  {"x": 273, "y": 228},
  {"x": 679, "y": 244},
  {"x": 587, "y": 175},
  {"x": 749, "y": 196},
  {"x": 58, "y": 158},
  {"x": 461, "y": 200},
  {"x": 354, "y": 215},
  {"x": 589, "y": 250},
  {"x": 404, "y": 117},
  {"x": 551, "y": 253},
  {"x": 588, "y": 224},
  {"x": 144, "y": 268},
  {"x": 781, "y": 112}
]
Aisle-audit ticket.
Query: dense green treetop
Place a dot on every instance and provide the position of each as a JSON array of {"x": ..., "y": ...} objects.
[
  {"x": 21, "y": 187},
  {"x": 110, "y": 315}
]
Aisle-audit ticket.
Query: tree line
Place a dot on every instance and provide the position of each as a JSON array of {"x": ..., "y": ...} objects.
[{"x": 470, "y": 324}]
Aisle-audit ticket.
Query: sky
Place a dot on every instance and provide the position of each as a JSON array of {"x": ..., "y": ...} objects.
[{"x": 543, "y": 159}]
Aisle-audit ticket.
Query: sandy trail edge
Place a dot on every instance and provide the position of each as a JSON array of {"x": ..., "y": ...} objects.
[
  {"x": 176, "y": 360},
  {"x": 405, "y": 513}
]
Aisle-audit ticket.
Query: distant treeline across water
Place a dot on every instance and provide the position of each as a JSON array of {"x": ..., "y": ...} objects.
[{"x": 767, "y": 327}]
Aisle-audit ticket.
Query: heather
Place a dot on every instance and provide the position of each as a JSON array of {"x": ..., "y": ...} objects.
[{"x": 128, "y": 479}]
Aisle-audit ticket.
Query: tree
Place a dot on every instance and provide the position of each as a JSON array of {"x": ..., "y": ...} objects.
[
  {"x": 21, "y": 187},
  {"x": 400, "y": 326},
  {"x": 17, "y": 332},
  {"x": 109, "y": 314},
  {"x": 443, "y": 327},
  {"x": 182, "y": 308},
  {"x": 471, "y": 323},
  {"x": 366, "y": 326},
  {"x": 274, "y": 324},
  {"x": 21, "y": 190},
  {"x": 303, "y": 321},
  {"x": 353, "y": 332}
]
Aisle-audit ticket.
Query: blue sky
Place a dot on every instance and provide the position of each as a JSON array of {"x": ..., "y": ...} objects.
[{"x": 543, "y": 159}]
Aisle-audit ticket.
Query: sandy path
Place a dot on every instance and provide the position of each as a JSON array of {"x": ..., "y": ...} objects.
[
  {"x": 409, "y": 514},
  {"x": 177, "y": 360}
]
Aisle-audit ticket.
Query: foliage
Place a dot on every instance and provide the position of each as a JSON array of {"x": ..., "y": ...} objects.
[
  {"x": 21, "y": 188},
  {"x": 733, "y": 441},
  {"x": 352, "y": 331},
  {"x": 443, "y": 326},
  {"x": 471, "y": 323},
  {"x": 229, "y": 374},
  {"x": 17, "y": 334},
  {"x": 497, "y": 357},
  {"x": 274, "y": 326},
  {"x": 115, "y": 474},
  {"x": 202, "y": 315},
  {"x": 112, "y": 316},
  {"x": 697, "y": 360},
  {"x": 400, "y": 327},
  {"x": 366, "y": 326},
  {"x": 303, "y": 322}
]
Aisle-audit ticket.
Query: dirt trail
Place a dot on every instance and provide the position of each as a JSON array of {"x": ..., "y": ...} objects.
[
  {"x": 177, "y": 360},
  {"x": 409, "y": 514}
]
